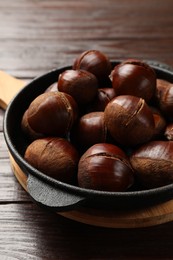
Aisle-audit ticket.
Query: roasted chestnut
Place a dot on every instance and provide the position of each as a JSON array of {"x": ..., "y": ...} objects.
[
  {"x": 55, "y": 157},
  {"x": 104, "y": 95},
  {"x": 52, "y": 88},
  {"x": 89, "y": 130},
  {"x": 80, "y": 84},
  {"x": 164, "y": 96},
  {"x": 153, "y": 163},
  {"x": 134, "y": 77},
  {"x": 26, "y": 128},
  {"x": 105, "y": 167},
  {"x": 95, "y": 62},
  {"x": 129, "y": 120},
  {"x": 159, "y": 122},
  {"x": 52, "y": 113}
]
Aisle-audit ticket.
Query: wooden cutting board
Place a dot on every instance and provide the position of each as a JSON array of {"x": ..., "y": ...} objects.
[{"x": 150, "y": 216}]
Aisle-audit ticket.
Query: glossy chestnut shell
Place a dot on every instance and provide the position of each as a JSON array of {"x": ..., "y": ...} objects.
[
  {"x": 89, "y": 130},
  {"x": 129, "y": 120},
  {"x": 105, "y": 167},
  {"x": 134, "y": 77},
  {"x": 52, "y": 113},
  {"x": 164, "y": 97},
  {"x": 95, "y": 62},
  {"x": 80, "y": 84},
  {"x": 56, "y": 157},
  {"x": 153, "y": 163}
]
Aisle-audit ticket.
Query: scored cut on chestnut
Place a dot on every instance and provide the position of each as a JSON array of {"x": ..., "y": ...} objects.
[
  {"x": 164, "y": 97},
  {"x": 129, "y": 120},
  {"x": 80, "y": 84},
  {"x": 105, "y": 167},
  {"x": 56, "y": 157},
  {"x": 52, "y": 113},
  {"x": 134, "y": 77},
  {"x": 153, "y": 163},
  {"x": 95, "y": 62}
]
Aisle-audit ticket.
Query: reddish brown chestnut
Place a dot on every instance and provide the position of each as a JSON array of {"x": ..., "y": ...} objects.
[
  {"x": 104, "y": 95},
  {"x": 153, "y": 163},
  {"x": 55, "y": 157},
  {"x": 80, "y": 84},
  {"x": 52, "y": 113},
  {"x": 95, "y": 62},
  {"x": 105, "y": 167},
  {"x": 129, "y": 120},
  {"x": 159, "y": 122},
  {"x": 134, "y": 77},
  {"x": 89, "y": 130},
  {"x": 52, "y": 88},
  {"x": 164, "y": 96},
  {"x": 26, "y": 128}
]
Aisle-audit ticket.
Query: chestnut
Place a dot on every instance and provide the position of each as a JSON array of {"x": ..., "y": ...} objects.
[
  {"x": 53, "y": 87},
  {"x": 55, "y": 157},
  {"x": 80, "y": 84},
  {"x": 105, "y": 167},
  {"x": 52, "y": 113},
  {"x": 104, "y": 95},
  {"x": 164, "y": 97},
  {"x": 159, "y": 122},
  {"x": 95, "y": 62},
  {"x": 153, "y": 163},
  {"x": 129, "y": 120},
  {"x": 26, "y": 128},
  {"x": 89, "y": 130},
  {"x": 169, "y": 132},
  {"x": 134, "y": 77}
]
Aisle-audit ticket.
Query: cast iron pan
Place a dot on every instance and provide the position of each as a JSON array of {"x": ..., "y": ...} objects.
[{"x": 57, "y": 195}]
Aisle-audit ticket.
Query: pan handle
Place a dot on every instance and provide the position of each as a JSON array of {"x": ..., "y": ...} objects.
[{"x": 47, "y": 195}]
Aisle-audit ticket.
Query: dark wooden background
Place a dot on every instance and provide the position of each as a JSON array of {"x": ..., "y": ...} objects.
[{"x": 37, "y": 36}]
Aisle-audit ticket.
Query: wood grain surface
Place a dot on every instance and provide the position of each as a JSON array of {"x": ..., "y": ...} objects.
[{"x": 37, "y": 36}]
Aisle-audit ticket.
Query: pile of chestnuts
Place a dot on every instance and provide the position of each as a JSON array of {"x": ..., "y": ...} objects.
[{"x": 102, "y": 127}]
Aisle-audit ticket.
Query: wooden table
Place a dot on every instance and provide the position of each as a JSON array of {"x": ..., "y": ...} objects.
[{"x": 36, "y": 36}]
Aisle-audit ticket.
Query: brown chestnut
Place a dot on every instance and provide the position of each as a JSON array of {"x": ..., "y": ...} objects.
[
  {"x": 52, "y": 113},
  {"x": 89, "y": 130},
  {"x": 80, "y": 84},
  {"x": 104, "y": 95},
  {"x": 105, "y": 167},
  {"x": 95, "y": 62},
  {"x": 134, "y": 77},
  {"x": 159, "y": 122},
  {"x": 52, "y": 88},
  {"x": 164, "y": 96},
  {"x": 129, "y": 120},
  {"x": 26, "y": 128},
  {"x": 55, "y": 157},
  {"x": 153, "y": 163}
]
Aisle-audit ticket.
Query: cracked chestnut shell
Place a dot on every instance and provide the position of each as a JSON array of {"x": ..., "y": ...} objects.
[
  {"x": 153, "y": 163},
  {"x": 80, "y": 84},
  {"x": 134, "y": 77},
  {"x": 55, "y": 157},
  {"x": 105, "y": 167},
  {"x": 52, "y": 113},
  {"x": 129, "y": 120},
  {"x": 95, "y": 62},
  {"x": 164, "y": 97}
]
